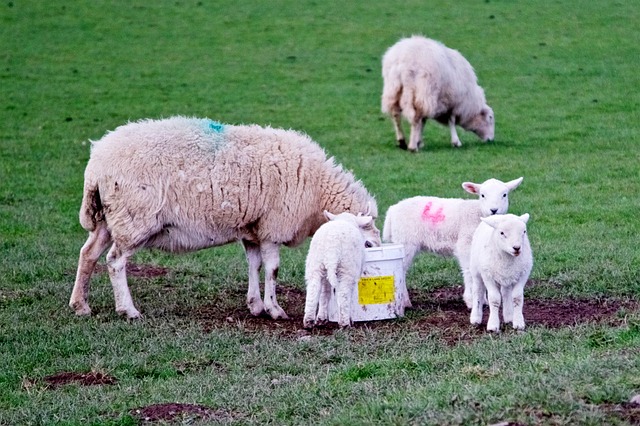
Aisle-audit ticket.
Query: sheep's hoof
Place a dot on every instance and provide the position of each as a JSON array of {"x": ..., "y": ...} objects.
[
  {"x": 277, "y": 313},
  {"x": 81, "y": 310},
  {"x": 402, "y": 144},
  {"x": 456, "y": 144},
  {"x": 130, "y": 313},
  {"x": 256, "y": 307}
]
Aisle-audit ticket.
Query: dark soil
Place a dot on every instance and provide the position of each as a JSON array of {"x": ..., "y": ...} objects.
[
  {"x": 186, "y": 413},
  {"x": 135, "y": 270},
  {"x": 440, "y": 313},
  {"x": 82, "y": 379}
]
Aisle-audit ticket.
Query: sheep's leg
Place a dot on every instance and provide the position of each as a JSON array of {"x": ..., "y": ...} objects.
[
  {"x": 343, "y": 299},
  {"x": 493, "y": 293},
  {"x": 97, "y": 243},
  {"x": 477, "y": 299},
  {"x": 455, "y": 140},
  {"x": 409, "y": 254},
  {"x": 314, "y": 283},
  {"x": 518, "y": 303},
  {"x": 415, "y": 138},
  {"x": 254, "y": 259},
  {"x": 507, "y": 303},
  {"x": 271, "y": 257},
  {"x": 396, "y": 117},
  {"x": 117, "y": 266},
  {"x": 325, "y": 298}
]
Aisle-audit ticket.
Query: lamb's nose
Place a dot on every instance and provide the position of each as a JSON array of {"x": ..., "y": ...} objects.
[
  {"x": 494, "y": 211},
  {"x": 516, "y": 250},
  {"x": 368, "y": 244}
]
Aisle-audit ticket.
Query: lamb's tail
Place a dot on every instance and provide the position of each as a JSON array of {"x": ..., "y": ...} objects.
[
  {"x": 91, "y": 210},
  {"x": 386, "y": 229}
]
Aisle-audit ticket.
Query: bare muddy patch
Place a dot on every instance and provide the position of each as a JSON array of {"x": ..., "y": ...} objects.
[
  {"x": 441, "y": 313},
  {"x": 182, "y": 413},
  {"x": 92, "y": 378}
]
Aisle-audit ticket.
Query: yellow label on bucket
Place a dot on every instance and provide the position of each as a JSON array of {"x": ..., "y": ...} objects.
[{"x": 376, "y": 290}]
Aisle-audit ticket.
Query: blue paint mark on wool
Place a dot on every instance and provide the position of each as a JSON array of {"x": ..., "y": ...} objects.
[{"x": 216, "y": 126}]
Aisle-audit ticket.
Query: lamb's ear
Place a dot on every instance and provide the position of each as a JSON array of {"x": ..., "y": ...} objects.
[
  {"x": 329, "y": 216},
  {"x": 364, "y": 221},
  {"x": 471, "y": 188},
  {"x": 525, "y": 217},
  {"x": 492, "y": 221},
  {"x": 513, "y": 184}
]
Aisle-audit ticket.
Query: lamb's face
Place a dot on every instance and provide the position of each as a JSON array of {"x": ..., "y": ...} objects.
[
  {"x": 493, "y": 195},
  {"x": 483, "y": 124},
  {"x": 494, "y": 198},
  {"x": 509, "y": 232}
]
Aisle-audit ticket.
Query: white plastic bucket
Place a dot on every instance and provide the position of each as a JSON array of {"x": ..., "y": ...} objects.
[{"x": 380, "y": 292}]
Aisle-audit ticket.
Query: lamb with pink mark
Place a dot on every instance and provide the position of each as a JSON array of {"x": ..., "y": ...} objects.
[
  {"x": 500, "y": 264},
  {"x": 445, "y": 226}
]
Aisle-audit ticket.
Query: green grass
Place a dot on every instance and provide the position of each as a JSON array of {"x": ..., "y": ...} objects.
[{"x": 562, "y": 79}]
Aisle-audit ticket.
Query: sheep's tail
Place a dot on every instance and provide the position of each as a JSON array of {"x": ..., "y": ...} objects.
[
  {"x": 386, "y": 229},
  {"x": 391, "y": 90},
  {"x": 91, "y": 210}
]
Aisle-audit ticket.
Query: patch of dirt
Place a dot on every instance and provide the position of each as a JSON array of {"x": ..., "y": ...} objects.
[
  {"x": 440, "y": 313},
  {"x": 135, "y": 270},
  {"x": 186, "y": 413},
  {"x": 83, "y": 379},
  {"x": 627, "y": 411}
]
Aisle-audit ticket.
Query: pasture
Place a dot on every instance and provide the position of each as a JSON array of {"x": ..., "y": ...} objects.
[{"x": 562, "y": 79}]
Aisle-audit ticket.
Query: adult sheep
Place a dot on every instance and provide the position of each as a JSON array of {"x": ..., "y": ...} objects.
[
  {"x": 425, "y": 79},
  {"x": 184, "y": 184}
]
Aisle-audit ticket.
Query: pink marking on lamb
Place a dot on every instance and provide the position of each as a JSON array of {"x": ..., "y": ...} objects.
[{"x": 430, "y": 216}]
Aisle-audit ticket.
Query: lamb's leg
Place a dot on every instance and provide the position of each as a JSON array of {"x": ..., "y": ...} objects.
[
  {"x": 344, "y": 290},
  {"x": 518, "y": 303},
  {"x": 493, "y": 293},
  {"x": 477, "y": 299},
  {"x": 409, "y": 253},
  {"x": 254, "y": 259},
  {"x": 98, "y": 241},
  {"x": 325, "y": 298},
  {"x": 117, "y": 266},
  {"x": 455, "y": 140},
  {"x": 507, "y": 303},
  {"x": 314, "y": 283},
  {"x": 271, "y": 257},
  {"x": 396, "y": 117},
  {"x": 415, "y": 138}
]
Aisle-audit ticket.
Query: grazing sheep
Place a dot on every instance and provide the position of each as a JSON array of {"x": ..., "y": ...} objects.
[
  {"x": 335, "y": 262},
  {"x": 445, "y": 226},
  {"x": 425, "y": 79},
  {"x": 500, "y": 264},
  {"x": 184, "y": 184}
]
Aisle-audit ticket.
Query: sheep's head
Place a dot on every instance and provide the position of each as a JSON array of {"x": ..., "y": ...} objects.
[
  {"x": 509, "y": 232},
  {"x": 483, "y": 124},
  {"x": 493, "y": 194},
  {"x": 366, "y": 225}
]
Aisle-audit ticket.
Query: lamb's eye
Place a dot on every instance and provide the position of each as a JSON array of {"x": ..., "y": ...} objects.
[
  {"x": 504, "y": 195},
  {"x": 502, "y": 233},
  {"x": 482, "y": 195}
]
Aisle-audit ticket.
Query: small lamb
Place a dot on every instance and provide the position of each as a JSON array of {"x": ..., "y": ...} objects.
[
  {"x": 445, "y": 226},
  {"x": 334, "y": 263},
  {"x": 501, "y": 261}
]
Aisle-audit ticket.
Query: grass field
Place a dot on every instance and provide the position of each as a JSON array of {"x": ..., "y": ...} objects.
[{"x": 562, "y": 78}]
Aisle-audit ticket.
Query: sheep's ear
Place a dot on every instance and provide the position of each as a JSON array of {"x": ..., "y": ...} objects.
[
  {"x": 364, "y": 221},
  {"x": 471, "y": 188},
  {"x": 492, "y": 221},
  {"x": 525, "y": 217},
  {"x": 329, "y": 216},
  {"x": 513, "y": 184}
]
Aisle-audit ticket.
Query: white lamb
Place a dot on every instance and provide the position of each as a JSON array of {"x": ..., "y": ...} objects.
[
  {"x": 334, "y": 263},
  {"x": 445, "y": 226},
  {"x": 425, "y": 79},
  {"x": 501, "y": 261},
  {"x": 184, "y": 184}
]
